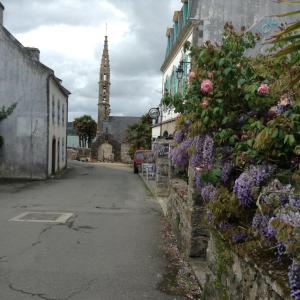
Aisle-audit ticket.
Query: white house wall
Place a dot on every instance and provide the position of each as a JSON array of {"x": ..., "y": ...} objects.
[
  {"x": 57, "y": 127},
  {"x": 22, "y": 81},
  {"x": 156, "y": 132},
  {"x": 170, "y": 114}
]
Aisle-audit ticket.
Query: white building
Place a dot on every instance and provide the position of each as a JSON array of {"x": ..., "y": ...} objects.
[
  {"x": 35, "y": 133},
  {"x": 185, "y": 29}
]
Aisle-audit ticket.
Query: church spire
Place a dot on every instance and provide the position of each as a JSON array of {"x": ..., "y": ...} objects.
[{"x": 104, "y": 88}]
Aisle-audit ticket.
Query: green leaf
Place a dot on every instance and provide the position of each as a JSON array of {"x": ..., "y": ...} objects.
[
  {"x": 227, "y": 71},
  {"x": 241, "y": 82},
  {"x": 275, "y": 133},
  {"x": 297, "y": 150}
]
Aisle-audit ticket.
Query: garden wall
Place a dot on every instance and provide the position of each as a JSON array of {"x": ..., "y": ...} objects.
[{"x": 223, "y": 274}]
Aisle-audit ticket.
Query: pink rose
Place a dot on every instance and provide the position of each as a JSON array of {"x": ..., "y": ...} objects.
[
  {"x": 263, "y": 89},
  {"x": 192, "y": 76},
  {"x": 207, "y": 86}
]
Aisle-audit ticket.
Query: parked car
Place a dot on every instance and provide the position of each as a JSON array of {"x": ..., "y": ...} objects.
[{"x": 138, "y": 159}]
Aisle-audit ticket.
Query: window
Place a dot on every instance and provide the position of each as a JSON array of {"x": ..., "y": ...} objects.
[
  {"x": 63, "y": 149},
  {"x": 185, "y": 12},
  {"x": 176, "y": 33},
  {"x": 63, "y": 115},
  {"x": 53, "y": 110},
  {"x": 58, "y": 112}
]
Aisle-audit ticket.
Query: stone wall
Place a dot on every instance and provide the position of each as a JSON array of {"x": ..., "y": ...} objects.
[
  {"x": 220, "y": 271},
  {"x": 161, "y": 150},
  {"x": 105, "y": 138},
  {"x": 125, "y": 157},
  {"x": 187, "y": 214},
  {"x": 229, "y": 276}
]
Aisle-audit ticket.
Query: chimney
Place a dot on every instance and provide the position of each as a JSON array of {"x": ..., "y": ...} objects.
[
  {"x": 34, "y": 53},
  {"x": 1, "y": 13}
]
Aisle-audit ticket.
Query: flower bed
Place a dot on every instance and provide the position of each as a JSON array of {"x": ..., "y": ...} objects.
[{"x": 240, "y": 128}]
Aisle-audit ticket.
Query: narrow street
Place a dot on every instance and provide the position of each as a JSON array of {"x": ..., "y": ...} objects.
[{"x": 108, "y": 249}]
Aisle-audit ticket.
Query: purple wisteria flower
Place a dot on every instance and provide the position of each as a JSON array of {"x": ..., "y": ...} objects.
[
  {"x": 179, "y": 136},
  {"x": 225, "y": 226},
  {"x": 198, "y": 148},
  {"x": 289, "y": 215},
  {"x": 239, "y": 238},
  {"x": 248, "y": 180},
  {"x": 281, "y": 251},
  {"x": 209, "y": 193},
  {"x": 179, "y": 155},
  {"x": 294, "y": 279},
  {"x": 208, "y": 151},
  {"x": 260, "y": 224},
  {"x": 198, "y": 181},
  {"x": 226, "y": 171},
  {"x": 294, "y": 201}
]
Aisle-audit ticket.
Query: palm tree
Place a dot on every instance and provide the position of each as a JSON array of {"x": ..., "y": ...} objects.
[
  {"x": 86, "y": 128},
  {"x": 290, "y": 34}
]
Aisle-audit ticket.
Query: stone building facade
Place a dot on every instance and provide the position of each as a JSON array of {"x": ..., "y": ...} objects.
[
  {"x": 110, "y": 143},
  {"x": 199, "y": 21},
  {"x": 35, "y": 133}
]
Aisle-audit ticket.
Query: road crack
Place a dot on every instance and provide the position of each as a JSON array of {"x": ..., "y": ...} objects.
[
  {"x": 39, "y": 239},
  {"x": 84, "y": 288},
  {"x": 40, "y": 295}
]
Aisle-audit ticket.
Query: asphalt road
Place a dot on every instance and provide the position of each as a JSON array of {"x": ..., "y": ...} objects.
[{"x": 108, "y": 249}]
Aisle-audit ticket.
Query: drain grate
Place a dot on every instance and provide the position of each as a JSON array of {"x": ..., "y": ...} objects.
[{"x": 47, "y": 217}]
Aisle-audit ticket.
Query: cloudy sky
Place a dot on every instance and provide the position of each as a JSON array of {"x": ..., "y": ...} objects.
[{"x": 70, "y": 35}]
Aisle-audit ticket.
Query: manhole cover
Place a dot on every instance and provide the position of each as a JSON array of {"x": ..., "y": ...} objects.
[{"x": 48, "y": 217}]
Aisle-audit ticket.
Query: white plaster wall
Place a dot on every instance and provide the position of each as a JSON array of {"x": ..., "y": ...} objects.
[
  {"x": 254, "y": 14},
  {"x": 22, "y": 80},
  {"x": 57, "y": 130},
  {"x": 156, "y": 132},
  {"x": 170, "y": 114}
]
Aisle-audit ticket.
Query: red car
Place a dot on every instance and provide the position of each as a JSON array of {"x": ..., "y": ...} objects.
[{"x": 138, "y": 159}]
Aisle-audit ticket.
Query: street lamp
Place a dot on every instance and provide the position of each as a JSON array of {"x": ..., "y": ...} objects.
[{"x": 180, "y": 70}]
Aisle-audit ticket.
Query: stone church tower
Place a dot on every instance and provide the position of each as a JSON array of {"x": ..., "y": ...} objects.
[
  {"x": 110, "y": 143},
  {"x": 104, "y": 89}
]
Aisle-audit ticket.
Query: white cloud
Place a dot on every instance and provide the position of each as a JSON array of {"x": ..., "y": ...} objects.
[{"x": 70, "y": 34}]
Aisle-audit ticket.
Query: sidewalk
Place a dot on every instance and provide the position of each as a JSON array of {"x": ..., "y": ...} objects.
[
  {"x": 197, "y": 265},
  {"x": 163, "y": 201}
]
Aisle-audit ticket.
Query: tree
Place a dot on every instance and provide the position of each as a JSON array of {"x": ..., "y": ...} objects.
[
  {"x": 139, "y": 135},
  {"x": 4, "y": 113},
  {"x": 290, "y": 34},
  {"x": 86, "y": 128}
]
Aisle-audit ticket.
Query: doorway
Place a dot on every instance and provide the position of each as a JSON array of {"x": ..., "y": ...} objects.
[{"x": 105, "y": 153}]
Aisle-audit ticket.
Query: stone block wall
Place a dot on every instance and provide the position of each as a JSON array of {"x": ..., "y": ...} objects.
[
  {"x": 223, "y": 274},
  {"x": 161, "y": 150},
  {"x": 235, "y": 278},
  {"x": 125, "y": 157},
  {"x": 187, "y": 216}
]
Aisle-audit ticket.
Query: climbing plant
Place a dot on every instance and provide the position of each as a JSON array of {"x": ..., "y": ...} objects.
[{"x": 239, "y": 130}]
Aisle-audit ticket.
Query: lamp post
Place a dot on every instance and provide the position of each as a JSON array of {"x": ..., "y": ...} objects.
[{"x": 180, "y": 70}]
